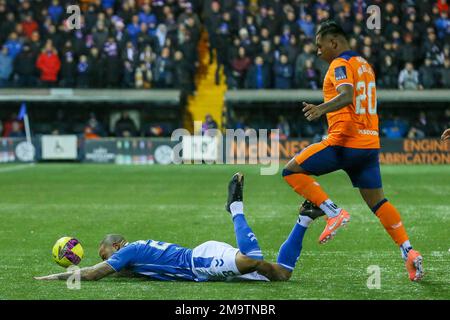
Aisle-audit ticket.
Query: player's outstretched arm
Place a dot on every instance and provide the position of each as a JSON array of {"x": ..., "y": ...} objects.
[
  {"x": 446, "y": 135},
  {"x": 93, "y": 273},
  {"x": 271, "y": 271},
  {"x": 343, "y": 99}
]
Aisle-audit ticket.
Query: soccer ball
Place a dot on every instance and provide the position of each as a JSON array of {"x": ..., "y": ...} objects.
[{"x": 67, "y": 251}]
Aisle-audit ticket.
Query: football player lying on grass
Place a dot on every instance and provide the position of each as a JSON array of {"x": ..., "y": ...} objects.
[{"x": 210, "y": 261}]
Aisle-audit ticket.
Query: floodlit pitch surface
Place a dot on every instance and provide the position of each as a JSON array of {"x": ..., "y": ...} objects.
[{"x": 185, "y": 205}]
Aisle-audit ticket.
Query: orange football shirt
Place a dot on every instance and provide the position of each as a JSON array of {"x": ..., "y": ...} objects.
[{"x": 356, "y": 125}]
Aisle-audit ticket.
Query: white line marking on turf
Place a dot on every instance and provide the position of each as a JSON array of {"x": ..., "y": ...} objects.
[{"x": 17, "y": 168}]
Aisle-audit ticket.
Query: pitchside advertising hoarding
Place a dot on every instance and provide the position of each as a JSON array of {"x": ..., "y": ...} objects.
[
  {"x": 134, "y": 151},
  {"x": 148, "y": 151}
]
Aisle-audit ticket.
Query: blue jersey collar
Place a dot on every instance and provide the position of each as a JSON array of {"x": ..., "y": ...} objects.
[{"x": 348, "y": 54}]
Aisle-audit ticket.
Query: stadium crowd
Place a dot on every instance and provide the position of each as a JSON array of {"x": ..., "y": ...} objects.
[
  {"x": 272, "y": 45},
  {"x": 260, "y": 44},
  {"x": 121, "y": 44}
]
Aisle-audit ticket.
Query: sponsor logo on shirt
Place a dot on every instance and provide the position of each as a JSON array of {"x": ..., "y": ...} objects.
[
  {"x": 368, "y": 132},
  {"x": 340, "y": 73}
]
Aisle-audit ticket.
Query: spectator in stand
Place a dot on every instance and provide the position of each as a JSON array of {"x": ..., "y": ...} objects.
[
  {"x": 16, "y": 130},
  {"x": 83, "y": 70},
  {"x": 8, "y": 124},
  {"x": 55, "y": 11},
  {"x": 24, "y": 67},
  {"x": 100, "y": 35},
  {"x": 209, "y": 123},
  {"x": 284, "y": 127},
  {"x": 93, "y": 128},
  {"x": 239, "y": 66},
  {"x": 409, "y": 78},
  {"x": 14, "y": 45},
  {"x": 395, "y": 128},
  {"x": 29, "y": 25},
  {"x": 388, "y": 75},
  {"x": 183, "y": 74},
  {"x": 133, "y": 28},
  {"x": 128, "y": 75},
  {"x": 163, "y": 70},
  {"x": 292, "y": 50},
  {"x": 106, "y": 4},
  {"x": 283, "y": 73},
  {"x": 6, "y": 68},
  {"x": 34, "y": 43},
  {"x": 423, "y": 127},
  {"x": 259, "y": 75},
  {"x": 95, "y": 64},
  {"x": 240, "y": 123},
  {"x": 310, "y": 78},
  {"x": 443, "y": 26},
  {"x": 111, "y": 53},
  {"x": 7, "y": 26},
  {"x": 143, "y": 76},
  {"x": 188, "y": 48},
  {"x": 444, "y": 74},
  {"x": 212, "y": 24},
  {"x": 300, "y": 63},
  {"x": 409, "y": 51},
  {"x": 161, "y": 35},
  {"x": 125, "y": 126},
  {"x": 68, "y": 71},
  {"x": 146, "y": 15},
  {"x": 48, "y": 64},
  {"x": 432, "y": 50},
  {"x": 428, "y": 75}
]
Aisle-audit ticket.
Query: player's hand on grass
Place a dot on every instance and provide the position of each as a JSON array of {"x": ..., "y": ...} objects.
[
  {"x": 312, "y": 112},
  {"x": 446, "y": 135}
]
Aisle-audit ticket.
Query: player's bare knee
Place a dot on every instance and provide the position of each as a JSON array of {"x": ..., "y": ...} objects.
[{"x": 372, "y": 197}]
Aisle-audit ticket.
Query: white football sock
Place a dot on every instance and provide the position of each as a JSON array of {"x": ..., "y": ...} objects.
[
  {"x": 330, "y": 209},
  {"x": 237, "y": 207},
  {"x": 304, "y": 221},
  {"x": 405, "y": 248}
]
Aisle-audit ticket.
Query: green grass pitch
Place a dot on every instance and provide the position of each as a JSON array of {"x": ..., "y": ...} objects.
[{"x": 185, "y": 205}]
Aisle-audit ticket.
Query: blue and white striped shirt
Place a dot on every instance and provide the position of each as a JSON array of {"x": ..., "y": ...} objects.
[{"x": 155, "y": 259}]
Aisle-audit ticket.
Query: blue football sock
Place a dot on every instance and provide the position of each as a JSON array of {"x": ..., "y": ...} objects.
[
  {"x": 246, "y": 239},
  {"x": 290, "y": 250}
]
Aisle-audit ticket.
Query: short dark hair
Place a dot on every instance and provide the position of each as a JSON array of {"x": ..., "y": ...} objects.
[
  {"x": 330, "y": 27},
  {"x": 110, "y": 239}
]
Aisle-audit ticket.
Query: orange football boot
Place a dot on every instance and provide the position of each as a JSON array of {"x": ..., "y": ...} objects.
[
  {"x": 414, "y": 265},
  {"x": 333, "y": 224}
]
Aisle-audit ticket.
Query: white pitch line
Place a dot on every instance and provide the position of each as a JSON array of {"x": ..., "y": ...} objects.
[{"x": 17, "y": 168}]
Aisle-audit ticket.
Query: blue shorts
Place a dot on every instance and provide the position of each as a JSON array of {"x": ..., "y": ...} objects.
[{"x": 361, "y": 165}]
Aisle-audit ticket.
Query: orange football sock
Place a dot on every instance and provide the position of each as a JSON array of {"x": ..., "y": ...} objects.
[
  {"x": 392, "y": 222},
  {"x": 307, "y": 187}
]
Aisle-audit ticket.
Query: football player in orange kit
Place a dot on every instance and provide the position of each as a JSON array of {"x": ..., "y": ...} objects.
[{"x": 353, "y": 144}]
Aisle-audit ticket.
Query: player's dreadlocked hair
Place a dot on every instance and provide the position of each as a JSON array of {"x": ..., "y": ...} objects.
[
  {"x": 330, "y": 27},
  {"x": 110, "y": 239}
]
